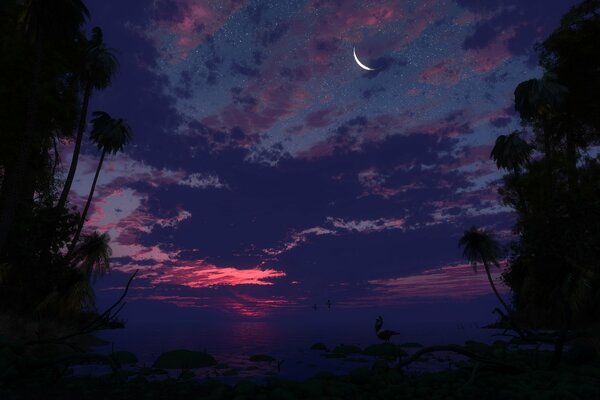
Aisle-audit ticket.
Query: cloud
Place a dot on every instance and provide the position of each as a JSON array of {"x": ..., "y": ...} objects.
[
  {"x": 203, "y": 181},
  {"x": 454, "y": 281},
  {"x": 187, "y": 24},
  {"x": 123, "y": 171},
  {"x": 336, "y": 226},
  {"x": 198, "y": 274}
]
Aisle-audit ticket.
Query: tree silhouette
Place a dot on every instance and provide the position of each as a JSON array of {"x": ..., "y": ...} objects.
[
  {"x": 92, "y": 255},
  {"x": 43, "y": 27},
  {"x": 99, "y": 67},
  {"x": 110, "y": 136},
  {"x": 511, "y": 152},
  {"x": 480, "y": 246}
]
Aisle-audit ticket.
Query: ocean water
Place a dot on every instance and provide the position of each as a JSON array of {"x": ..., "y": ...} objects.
[{"x": 289, "y": 342}]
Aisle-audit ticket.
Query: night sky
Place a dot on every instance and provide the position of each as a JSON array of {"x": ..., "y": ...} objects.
[{"x": 269, "y": 172}]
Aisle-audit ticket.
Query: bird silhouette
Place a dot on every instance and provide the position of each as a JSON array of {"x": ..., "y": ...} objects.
[
  {"x": 386, "y": 334},
  {"x": 315, "y": 307},
  {"x": 329, "y": 304}
]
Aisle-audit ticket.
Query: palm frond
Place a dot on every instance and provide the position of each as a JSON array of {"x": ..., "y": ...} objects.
[{"x": 92, "y": 255}]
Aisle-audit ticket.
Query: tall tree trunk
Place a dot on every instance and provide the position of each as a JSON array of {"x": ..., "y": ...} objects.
[
  {"x": 562, "y": 334},
  {"x": 15, "y": 185},
  {"x": 571, "y": 162},
  {"x": 520, "y": 196},
  {"x": 489, "y": 276},
  {"x": 87, "y": 206},
  {"x": 81, "y": 128}
]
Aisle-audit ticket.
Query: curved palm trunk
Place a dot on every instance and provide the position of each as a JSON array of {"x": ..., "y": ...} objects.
[
  {"x": 82, "y": 119},
  {"x": 489, "y": 276},
  {"x": 87, "y": 206}
]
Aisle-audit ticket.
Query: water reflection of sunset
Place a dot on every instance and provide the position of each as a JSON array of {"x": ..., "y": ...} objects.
[{"x": 235, "y": 303}]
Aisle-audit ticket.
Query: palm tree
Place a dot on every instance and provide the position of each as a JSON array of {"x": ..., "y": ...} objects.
[
  {"x": 511, "y": 152},
  {"x": 51, "y": 20},
  {"x": 110, "y": 135},
  {"x": 538, "y": 98},
  {"x": 538, "y": 101},
  {"x": 46, "y": 24},
  {"x": 99, "y": 67},
  {"x": 68, "y": 298},
  {"x": 479, "y": 245},
  {"x": 92, "y": 255}
]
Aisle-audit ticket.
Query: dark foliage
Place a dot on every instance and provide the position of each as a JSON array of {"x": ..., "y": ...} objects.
[
  {"x": 48, "y": 71},
  {"x": 554, "y": 269}
]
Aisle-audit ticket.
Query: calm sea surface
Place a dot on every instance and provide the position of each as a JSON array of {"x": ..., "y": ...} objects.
[{"x": 232, "y": 343}]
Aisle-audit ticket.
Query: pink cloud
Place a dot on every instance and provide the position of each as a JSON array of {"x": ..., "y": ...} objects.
[
  {"x": 467, "y": 18},
  {"x": 375, "y": 130},
  {"x": 489, "y": 57},
  {"x": 234, "y": 302},
  {"x": 442, "y": 73},
  {"x": 454, "y": 281},
  {"x": 275, "y": 103},
  {"x": 198, "y": 274},
  {"x": 320, "y": 118},
  {"x": 177, "y": 35},
  {"x": 374, "y": 184}
]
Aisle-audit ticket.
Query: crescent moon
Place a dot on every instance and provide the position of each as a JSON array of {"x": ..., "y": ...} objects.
[{"x": 363, "y": 66}]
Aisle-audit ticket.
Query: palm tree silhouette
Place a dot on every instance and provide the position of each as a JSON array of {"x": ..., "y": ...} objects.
[
  {"x": 46, "y": 25},
  {"x": 110, "y": 135},
  {"x": 99, "y": 67},
  {"x": 92, "y": 255},
  {"x": 511, "y": 152},
  {"x": 538, "y": 101},
  {"x": 384, "y": 335},
  {"x": 479, "y": 245},
  {"x": 73, "y": 293}
]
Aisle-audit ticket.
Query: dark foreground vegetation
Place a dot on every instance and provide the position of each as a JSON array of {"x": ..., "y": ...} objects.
[
  {"x": 48, "y": 261},
  {"x": 527, "y": 378}
]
